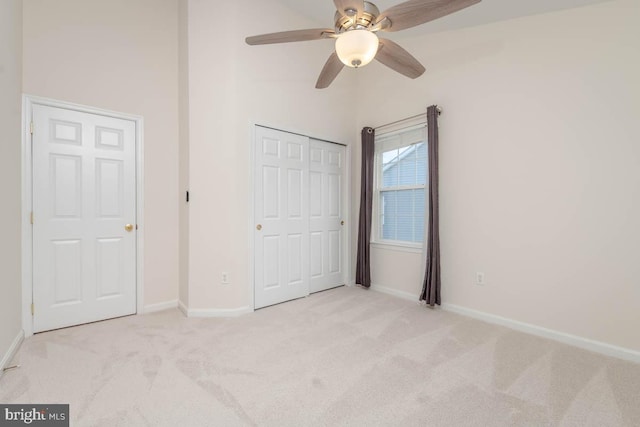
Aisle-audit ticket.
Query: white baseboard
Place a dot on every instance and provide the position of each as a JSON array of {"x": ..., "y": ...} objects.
[
  {"x": 233, "y": 312},
  {"x": 11, "y": 352},
  {"x": 153, "y": 308},
  {"x": 183, "y": 308},
  {"x": 396, "y": 293},
  {"x": 576, "y": 341}
]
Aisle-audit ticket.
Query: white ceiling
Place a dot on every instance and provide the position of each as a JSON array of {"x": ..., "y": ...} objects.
[{"x": 321, "y": 12}]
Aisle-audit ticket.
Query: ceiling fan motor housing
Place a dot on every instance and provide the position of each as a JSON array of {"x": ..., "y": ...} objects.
[{"x": 348, "y": 20}]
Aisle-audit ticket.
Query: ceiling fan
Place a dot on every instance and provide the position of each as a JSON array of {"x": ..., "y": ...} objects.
[{"x": 356, "y": 25}]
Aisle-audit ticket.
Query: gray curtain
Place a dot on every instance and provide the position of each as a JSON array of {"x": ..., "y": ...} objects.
[
  {"x": 363, "y": 260},
  {"x": 431, "y": 286}
]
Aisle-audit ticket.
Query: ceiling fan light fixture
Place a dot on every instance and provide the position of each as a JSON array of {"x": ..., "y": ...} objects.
[{"x": 357, "y": 48}]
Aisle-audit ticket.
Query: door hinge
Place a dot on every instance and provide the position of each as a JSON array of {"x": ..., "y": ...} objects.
[
  {"x": 33, "y": 309},
  {"x": 31, "y": 128},
  {"x": 31, "y": 218}
]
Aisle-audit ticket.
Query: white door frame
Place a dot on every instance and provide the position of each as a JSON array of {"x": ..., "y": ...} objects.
[
  {"x": 28, "y": 101},
  {"x": 346, "y": 197}
]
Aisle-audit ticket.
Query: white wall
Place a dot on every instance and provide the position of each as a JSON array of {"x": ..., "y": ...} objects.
[
  {"x": 183, "y": 186},
  {"x": 539, "y": 167},
  {"x": 10, "y": 172},
  {"x": 119, "y": 55},
  {"x": 231, "y": 87}
]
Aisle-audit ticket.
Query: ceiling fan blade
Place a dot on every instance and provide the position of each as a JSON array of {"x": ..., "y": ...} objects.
[
  {"x": 343, "y": 5},
  {"x": 329, "y": 72},
  {"x": 398, "y": 59},
  {"x": 415, "y": 12},
  {"x": 291, "y": 36}
]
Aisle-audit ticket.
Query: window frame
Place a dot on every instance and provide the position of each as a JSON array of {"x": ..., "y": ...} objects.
[{"x": 376, "y": 236}]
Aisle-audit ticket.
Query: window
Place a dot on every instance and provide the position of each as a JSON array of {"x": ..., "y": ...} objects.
[{"x": 401, "y": 177}]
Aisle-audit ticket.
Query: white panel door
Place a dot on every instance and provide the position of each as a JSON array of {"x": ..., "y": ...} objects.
[
  {"x": 326, "y": 177},
  {"x": 282, "y": 217},
  {"x": 84, "y": 195}
]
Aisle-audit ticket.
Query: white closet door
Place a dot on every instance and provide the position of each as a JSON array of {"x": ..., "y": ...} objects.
[
  {"x": 84, "y": 195},
  {"x": 326, "y": 177},
  {"x": 282, "y": 217}
]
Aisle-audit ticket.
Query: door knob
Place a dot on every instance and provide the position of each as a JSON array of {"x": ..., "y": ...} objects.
[
  {"x": 341, "y": 222},
  {"x": 259, "y": 227},
  {"x": 128, "y": 227}
]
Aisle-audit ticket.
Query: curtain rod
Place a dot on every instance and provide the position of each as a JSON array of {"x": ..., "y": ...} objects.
[{"x": 407, "y": 119}]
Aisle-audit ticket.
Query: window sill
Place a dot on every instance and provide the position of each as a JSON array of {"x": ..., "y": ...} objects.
[{"x": 397, "y": 247}]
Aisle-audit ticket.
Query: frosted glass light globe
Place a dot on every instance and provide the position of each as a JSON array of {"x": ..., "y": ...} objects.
[{"x": 356, "y": 48}]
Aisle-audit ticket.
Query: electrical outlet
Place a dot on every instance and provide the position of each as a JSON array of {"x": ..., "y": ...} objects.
[
  {"x": 225, "y": 278},
  {"x": 480, "y": 279}
]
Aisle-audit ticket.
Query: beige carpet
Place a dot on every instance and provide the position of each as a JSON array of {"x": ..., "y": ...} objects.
[{"x": 343, "y": 357}]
